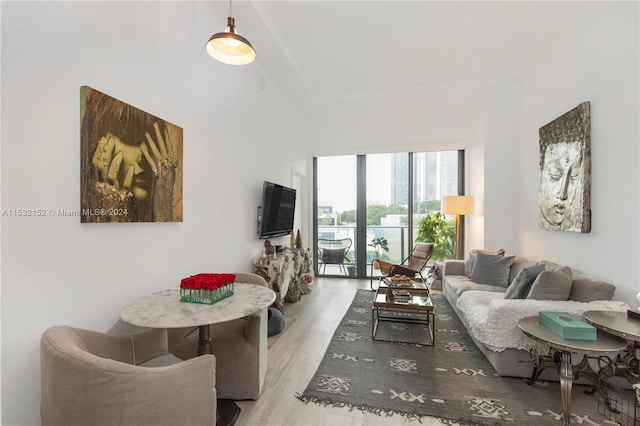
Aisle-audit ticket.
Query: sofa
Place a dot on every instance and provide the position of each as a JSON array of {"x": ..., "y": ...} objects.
[{"x": 491, "y": 291}]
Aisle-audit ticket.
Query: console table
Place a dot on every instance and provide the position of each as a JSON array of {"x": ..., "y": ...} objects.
[{"x": 289, "y": 274}]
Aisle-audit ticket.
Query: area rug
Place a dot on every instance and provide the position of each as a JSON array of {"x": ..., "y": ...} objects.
[{"x": 451, "y": 380}]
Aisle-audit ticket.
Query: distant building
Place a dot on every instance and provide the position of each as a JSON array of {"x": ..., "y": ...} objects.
[{"x": 434, "y": 174}]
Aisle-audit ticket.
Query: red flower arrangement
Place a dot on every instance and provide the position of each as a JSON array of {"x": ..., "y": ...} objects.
[{"x": 206, "y": 288}]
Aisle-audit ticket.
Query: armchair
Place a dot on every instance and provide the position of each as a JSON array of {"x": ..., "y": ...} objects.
[
  {"x": 240, "y": 347},
  {"x": 90, "y": 378},
  {"x": 413, "y": 265}
]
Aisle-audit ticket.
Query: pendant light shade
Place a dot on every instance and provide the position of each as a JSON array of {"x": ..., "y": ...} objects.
[{"x": 229, "y": 47}]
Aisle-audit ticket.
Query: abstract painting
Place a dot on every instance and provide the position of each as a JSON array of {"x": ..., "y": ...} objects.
[
  {"x": 131, "y": 163},
  {"x": 565, "y": 172}
]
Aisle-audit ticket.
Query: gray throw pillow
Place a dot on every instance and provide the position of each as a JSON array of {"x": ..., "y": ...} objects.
[
  {"x": 587, "y": 289},
  {"x": 519, "y": 263},
  {"x": 552, "y": 285},
  {"x": 519, "y": 288},
  {"x": 491, "y": 269},
  {"x": 473, "y": 254}
]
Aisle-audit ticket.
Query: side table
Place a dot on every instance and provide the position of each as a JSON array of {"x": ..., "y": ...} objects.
[
  {"x": 604, "y": 345},
  {"x": 622, "y": 325},
  {"x": 625, "y": 365}
]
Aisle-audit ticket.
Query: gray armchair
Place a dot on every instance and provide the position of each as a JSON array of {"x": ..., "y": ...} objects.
[
  {"x": 240, "y": 347},
  {"x": 91, "y": 378}
]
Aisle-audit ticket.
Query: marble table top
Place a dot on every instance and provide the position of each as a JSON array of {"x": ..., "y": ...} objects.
[{"x": 164, "y": 309}]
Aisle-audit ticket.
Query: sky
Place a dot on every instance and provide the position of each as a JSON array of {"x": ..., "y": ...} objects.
[{"x": 337, "y": 181}]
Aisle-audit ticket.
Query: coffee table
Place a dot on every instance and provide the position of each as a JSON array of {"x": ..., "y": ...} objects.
[
  {"x": 604, "y": 345},
  {"x": 404, "y": 284},
  {"x": 418, "y": 309}
]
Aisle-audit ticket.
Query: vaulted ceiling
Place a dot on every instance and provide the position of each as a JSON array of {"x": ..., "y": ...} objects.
[{"x": 325, "y": 50}]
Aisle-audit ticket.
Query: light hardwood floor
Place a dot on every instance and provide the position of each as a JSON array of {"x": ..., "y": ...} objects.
[{"x": 294, "y": 356}]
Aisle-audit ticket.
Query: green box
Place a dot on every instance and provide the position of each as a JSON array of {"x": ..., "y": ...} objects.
[{"x": 567, "y": 326}]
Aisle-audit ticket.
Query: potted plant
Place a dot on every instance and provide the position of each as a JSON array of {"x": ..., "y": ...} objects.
[
  {"x": 351, "y": 267},
  {"x": 435, "y": 229},
  {"x": 378, "y": 244}
]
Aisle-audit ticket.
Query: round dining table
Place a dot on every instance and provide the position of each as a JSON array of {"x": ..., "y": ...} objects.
[{"x": 164, "y": 309}]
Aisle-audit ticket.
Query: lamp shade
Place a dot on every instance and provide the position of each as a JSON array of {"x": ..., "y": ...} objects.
[
  {"x": 457, "y": 204},
  {"x": 229, "y": 47}
]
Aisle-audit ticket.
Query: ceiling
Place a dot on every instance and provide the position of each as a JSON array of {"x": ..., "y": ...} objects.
[{"x": 327, "y": 50}]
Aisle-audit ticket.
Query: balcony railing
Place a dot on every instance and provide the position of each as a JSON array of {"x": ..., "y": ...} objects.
[{"x": 397, "y": 237}]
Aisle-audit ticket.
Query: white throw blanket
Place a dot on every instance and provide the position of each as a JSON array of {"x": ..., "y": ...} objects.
[{"x": 494, "y": 321}]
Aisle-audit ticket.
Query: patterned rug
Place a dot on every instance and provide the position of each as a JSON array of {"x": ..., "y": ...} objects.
[{"x": 451, "y": 380}]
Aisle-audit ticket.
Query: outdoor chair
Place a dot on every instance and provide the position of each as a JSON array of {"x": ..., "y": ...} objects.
[
  {"x": 413, "y": 265},
  {"x": 333, "y": 252}
]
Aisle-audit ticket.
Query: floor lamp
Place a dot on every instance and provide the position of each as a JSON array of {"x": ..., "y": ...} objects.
[{"x": 458, "y": 205}]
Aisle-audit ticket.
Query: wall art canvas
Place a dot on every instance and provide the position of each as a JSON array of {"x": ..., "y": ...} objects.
[
  {"x": 131, "y": 163},
  {"x": 565, "y": 172}
]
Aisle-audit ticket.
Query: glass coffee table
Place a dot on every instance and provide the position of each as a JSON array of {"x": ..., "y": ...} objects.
[
  {"x": 404, "y": 283},
  {"x": 403, "y": 305}
]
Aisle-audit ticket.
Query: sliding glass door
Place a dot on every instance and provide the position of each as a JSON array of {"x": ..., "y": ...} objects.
[
  {"x": 335, "y": 209},
  {"x": 381, "y": 203},
  {"x": 387, "y": 201},
  {"x": 435, "y": 174}
]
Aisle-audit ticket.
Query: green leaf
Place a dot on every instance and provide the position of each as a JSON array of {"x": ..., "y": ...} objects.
[{"x": 435, "y": 229}]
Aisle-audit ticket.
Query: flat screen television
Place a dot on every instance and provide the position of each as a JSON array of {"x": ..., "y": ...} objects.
[{"x": 278, "y": 208}]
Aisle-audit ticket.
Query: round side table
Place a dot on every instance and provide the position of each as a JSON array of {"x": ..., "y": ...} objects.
[{"x": 604, "y": 345}]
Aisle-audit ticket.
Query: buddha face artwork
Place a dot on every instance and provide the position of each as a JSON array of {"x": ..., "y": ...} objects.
[
  {"x": 565, "y": 172},
  {"x": 131, "y": 168}
]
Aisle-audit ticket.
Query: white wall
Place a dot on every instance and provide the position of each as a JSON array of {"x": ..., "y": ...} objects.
[
  {"x": 417, "y": 119},
  {"x": 596, "y": 60},
  {"x": 501, "y": 129},
  {"x": 237, "y": 133}
]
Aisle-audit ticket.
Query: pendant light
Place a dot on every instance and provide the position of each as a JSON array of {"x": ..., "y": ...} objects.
[{"x": 229, "y": 47}]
